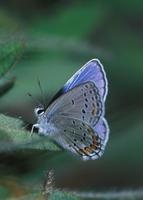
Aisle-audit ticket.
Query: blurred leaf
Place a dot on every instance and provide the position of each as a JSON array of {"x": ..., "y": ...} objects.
[
  {"x": 8, "y": 24},
  {"x": 13, "y": 137},
  {"x": 55, "y": 195},
  {"x": 28, "y": 197},
  {"x": 38, "y": 196},
  {"x": 62, "y": 196},
  {"x": 127, "y": 7},
  {"x": 3, "y": 192},
  {"x": 115, "y": 195},
  {"x": 9, "y": 54},
  {"x": 6, "y": 84}
]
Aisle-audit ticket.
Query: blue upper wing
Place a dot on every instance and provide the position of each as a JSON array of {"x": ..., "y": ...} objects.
[{"x": 91, "y": 71}]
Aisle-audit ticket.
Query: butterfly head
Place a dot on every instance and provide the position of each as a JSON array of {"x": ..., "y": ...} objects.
[
  {"x": 43, "y": 125},
  {"x": 39, "y": 110}
]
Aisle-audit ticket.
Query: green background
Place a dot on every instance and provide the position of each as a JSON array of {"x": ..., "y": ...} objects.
[{"x": 57, "y": 38}]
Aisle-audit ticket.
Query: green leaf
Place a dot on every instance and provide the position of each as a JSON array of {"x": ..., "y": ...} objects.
[
  {"x": 28, "y": 197},
  {"x": 13, "y": 137},
  {"x": 116, "y": 195},
  {"x": 9, "y": 54},
  {"x": 6, "y": 84},
  {"x": 55, "y": 195},
  {"x": 10, "y": 51},
  {"x": 61, "y": 195},
  {"x": 3, "y": 192}
]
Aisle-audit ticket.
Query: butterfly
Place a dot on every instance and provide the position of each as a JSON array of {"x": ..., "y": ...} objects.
[{"x": 75, "y": 116}]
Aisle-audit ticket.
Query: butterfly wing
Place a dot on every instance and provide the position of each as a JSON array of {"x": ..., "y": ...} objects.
[
  {"x": 102, "y": 128},
  {"x": 79, "y": 138},
  {"x": 91, "y": 71},
  {"x": 76, "y": 115},
  {"x": 82, "y": 102}
]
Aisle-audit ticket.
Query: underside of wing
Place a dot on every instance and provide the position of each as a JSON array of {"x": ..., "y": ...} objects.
[
  {"x": 102, "y": 129},
  {"x": 82, "y": 102},
  {"x": 79, "y": 138},
  {"x": 78, "y": 118}
]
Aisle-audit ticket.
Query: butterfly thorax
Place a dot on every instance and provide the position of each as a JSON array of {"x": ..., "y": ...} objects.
[{"x": 45, "y": 127}]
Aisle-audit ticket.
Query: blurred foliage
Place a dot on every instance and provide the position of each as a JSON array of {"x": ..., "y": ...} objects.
[
  {"x": 9, "y": 54},
  {"x": 62, "y": 195},
  {"x": 13, "y": 136},
  {"x": 53, "y": 39},
  {"x": 6, "y": 84}
]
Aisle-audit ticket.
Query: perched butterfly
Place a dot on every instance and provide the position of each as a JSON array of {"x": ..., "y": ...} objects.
[{"x": 75, "y": 117}]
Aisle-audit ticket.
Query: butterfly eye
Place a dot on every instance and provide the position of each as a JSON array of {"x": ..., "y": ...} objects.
[{"x": 39, "y": 111}]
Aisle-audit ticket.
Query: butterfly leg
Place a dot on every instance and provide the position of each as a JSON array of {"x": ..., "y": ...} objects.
[{"x": 34, "y": 126}]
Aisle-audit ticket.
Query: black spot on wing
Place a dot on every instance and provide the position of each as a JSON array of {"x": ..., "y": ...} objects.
[
  {"x": 73, "y": 102},
  {"x": 83, "y": 111}
]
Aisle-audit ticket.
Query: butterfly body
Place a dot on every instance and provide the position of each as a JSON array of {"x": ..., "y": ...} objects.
[{"x": 75, "y": 119}]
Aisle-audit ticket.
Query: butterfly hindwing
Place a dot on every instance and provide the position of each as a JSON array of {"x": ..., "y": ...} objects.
[
  {"x": 79, "y": 138},
  {"x": 102, "y": 129}
]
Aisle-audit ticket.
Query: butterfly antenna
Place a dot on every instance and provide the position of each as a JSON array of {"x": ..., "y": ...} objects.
[
  {"x": 33, "y": 99},
  {"x": 42, "y": 93}
]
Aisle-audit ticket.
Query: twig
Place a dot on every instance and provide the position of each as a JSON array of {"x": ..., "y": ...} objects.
[{"x": 48, "y": 185}]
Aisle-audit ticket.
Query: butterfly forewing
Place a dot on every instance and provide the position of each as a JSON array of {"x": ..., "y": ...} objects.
[
  {"x": 82, "y": 102},
  {"x": 91, "y": 71}
]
